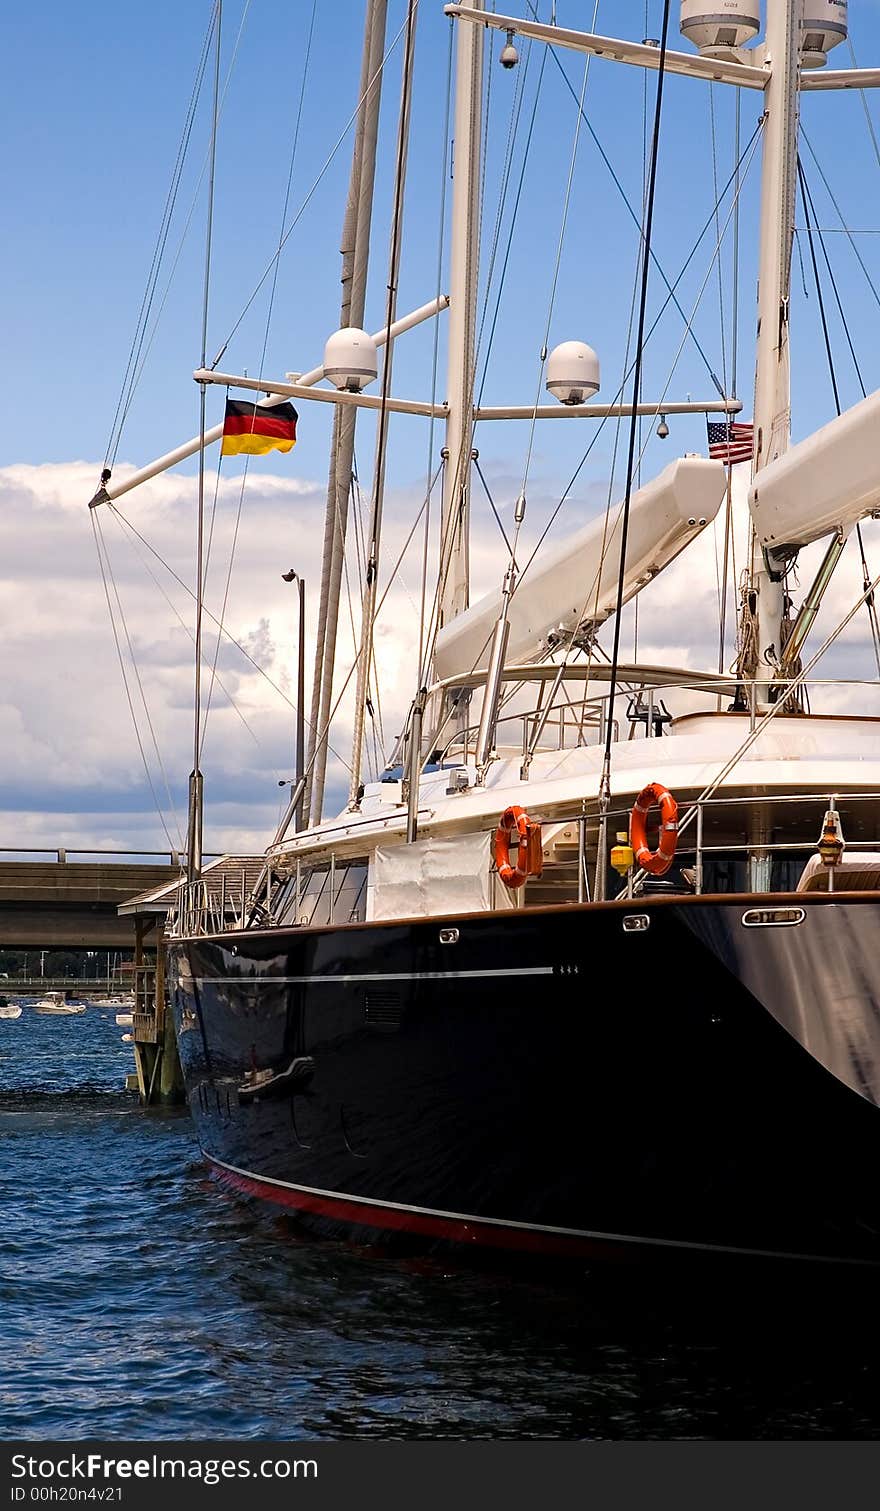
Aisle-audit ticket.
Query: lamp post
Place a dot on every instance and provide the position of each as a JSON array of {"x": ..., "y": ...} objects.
[{"x": 292, "y": 576}]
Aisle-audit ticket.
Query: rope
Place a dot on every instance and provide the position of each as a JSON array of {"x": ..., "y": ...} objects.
[{"x": 605, "y": 789}]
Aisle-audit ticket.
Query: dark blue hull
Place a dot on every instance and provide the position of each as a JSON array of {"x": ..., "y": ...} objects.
[{"x": 572, "y": 1080}]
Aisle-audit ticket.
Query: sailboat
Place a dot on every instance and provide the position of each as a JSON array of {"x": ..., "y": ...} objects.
[{"x": 573, "y": 976}]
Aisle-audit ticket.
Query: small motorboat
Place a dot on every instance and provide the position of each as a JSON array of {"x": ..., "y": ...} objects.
[
  {"x": 57, "y": 1003},
  {"x": 9, "y": 1009},
  {"x": 124, "y": 1020}
]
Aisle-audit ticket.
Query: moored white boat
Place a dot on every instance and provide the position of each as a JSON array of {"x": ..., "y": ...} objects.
[{"x": 57, "y": 1004}]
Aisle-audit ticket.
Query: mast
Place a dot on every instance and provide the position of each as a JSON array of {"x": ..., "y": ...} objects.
[
  {"x": 368, "y": 611},
  {"x": 355, "y": 257},
  {"x": 463, "y": 276},
  {"x": 772, "y": 372}
]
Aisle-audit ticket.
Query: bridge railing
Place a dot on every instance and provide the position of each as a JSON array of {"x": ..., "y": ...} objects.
[{"x": 62, "y": 853}]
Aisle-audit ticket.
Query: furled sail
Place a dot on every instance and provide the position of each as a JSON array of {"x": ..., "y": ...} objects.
[
  {"x": 824, "y": 483},
  {"x": 575, "y": 586}
]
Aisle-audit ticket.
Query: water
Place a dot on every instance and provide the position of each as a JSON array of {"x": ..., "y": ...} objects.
[{"x": 139, "y": 1300}]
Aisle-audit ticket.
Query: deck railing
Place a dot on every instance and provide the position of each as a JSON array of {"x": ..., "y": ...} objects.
[{"x": 331, "y": 892}]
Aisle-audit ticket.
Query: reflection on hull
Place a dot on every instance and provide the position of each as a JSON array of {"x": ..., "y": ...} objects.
[{"x": 552, "y": 1080}]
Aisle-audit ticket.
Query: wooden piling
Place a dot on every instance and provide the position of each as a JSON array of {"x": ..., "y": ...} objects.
[{"x": 159, "y": 1077}]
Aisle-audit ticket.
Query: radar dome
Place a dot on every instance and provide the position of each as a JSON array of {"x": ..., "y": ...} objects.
[
  {"x": 716, "y": 27},
  {"x": 350, "y": 361},
  {"x": 572, "y": 372},
  {"x": 823, "y": 26}
]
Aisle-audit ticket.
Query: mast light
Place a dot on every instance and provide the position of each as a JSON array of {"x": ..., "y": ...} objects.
[
  {"x": 573, "y": 372},
  {"x": 350, "y": 360},
  {"x": 718, "y": 27},
  {"x": 824, "y": 25}
]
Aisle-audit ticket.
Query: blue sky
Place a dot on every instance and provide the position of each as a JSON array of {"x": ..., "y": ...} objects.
[{"x": 93, "y": 103}]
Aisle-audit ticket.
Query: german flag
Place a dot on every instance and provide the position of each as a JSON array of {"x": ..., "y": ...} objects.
[{"x": 249, "y": 430}]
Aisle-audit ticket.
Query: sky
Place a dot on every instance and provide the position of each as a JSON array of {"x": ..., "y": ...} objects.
[{"x": 91, "y": 113}]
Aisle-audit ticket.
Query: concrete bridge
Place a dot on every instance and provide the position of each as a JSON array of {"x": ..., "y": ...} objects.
[{"x": 68, "y": 899}]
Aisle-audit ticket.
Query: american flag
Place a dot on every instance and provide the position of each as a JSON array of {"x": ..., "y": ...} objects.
[{"x": 729, "y": 441}]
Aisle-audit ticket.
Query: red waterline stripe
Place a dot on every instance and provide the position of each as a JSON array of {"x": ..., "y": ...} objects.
[{"x": 426, "y": 1224}]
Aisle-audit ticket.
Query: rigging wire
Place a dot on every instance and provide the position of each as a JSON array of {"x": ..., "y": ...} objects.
[
  {"x": 310, "y": 194},
  {"x": 624, "y": 196},
  {"x": 266, "y": 331},
  {"x": 127, "y": 524},
  {"x": 498, "y": 520},
  {"x": 551, "y": 303},
  {"x": 369, "y": 612},
  {"x": 793, "y": 686},
  {"x": 435, "y": 358},
  {"x": 96, "y": 531},
  {"x": 864, "y": 98},
  {"x": 149, "y": 340},
  {"x": 583, "y": 619},
  {"x": 128, "y": 381},
  {"x": 728, "y": 565},
  {"x": 120, "y": 520},
  {"x": 194, "y": 840},
  {"x": 746, "y": 161},
  {"x": 510, "y": 233},
  {"x": 840, "y": 215},
  {"x": 322, "y": 734},
  {"x": 605, "y": 785},
  {"x": 809, "y": 211},
  {"x": 506, "y": 170}
]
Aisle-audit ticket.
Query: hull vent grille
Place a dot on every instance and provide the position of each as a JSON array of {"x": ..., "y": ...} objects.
[{"x": 383, "y": 1011}]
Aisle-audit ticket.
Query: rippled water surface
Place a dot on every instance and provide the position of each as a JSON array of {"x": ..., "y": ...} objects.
[{"x": 139, "y": 1300}]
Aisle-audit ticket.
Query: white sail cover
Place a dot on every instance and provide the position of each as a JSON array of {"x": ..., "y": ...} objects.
[
  {"x": 576, "y": 584},
  {"x": 828, "y": 481},
  {"x": 434, "y": 877}
]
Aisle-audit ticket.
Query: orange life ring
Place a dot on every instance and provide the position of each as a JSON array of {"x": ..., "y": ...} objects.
[
  {"x": 655, "y": 862},
  {"x": 529, "y": 859}
]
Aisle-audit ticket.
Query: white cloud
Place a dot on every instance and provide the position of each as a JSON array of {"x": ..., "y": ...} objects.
[{"x": 71, "y": 771}]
